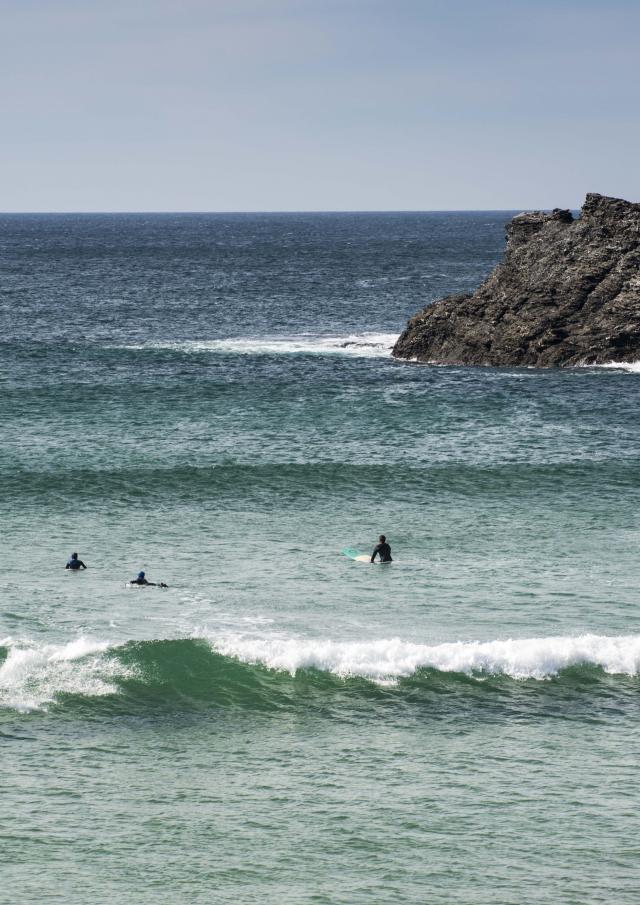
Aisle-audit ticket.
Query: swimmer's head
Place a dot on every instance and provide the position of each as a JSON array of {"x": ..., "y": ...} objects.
[{"x": 140, "y": 574}]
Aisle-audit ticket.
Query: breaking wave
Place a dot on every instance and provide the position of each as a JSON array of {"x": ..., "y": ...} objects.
[
  {"x": 633, "y": 367},
  {"x": 389, "y": 660},
  {"x": 270, "y": 673},
  {"x": 361, "y": 345},
  {"x": 33, "y": 675}
]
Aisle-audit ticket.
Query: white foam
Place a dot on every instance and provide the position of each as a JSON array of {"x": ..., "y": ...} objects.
[
  {"x": 359, "y": 345},
  {"x": 633, "y": 367},
  {"x": 388, "y": 660},
  {"x": 34, "y": 674}
]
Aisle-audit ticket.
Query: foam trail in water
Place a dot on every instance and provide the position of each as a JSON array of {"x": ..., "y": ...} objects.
[
  {"x": 359, "y": 345},
  {"x": 388, "y": 660},
  {"x": 32, "y": 674}
]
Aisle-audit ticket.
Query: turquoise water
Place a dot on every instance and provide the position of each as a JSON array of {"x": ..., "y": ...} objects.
[{"x": 212, "y": 399}]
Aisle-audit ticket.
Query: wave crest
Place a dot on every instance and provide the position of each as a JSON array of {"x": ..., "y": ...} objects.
[
  {"x": 393, "y": 659},
  {"x": 272, "y": 672}
]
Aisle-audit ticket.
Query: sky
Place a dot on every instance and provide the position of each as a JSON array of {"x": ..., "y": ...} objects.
[{"x": 287, "y": 105}]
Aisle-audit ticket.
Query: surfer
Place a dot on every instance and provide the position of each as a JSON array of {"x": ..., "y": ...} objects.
[
  {"x": 383, "y": 550},
  {"x": 74, "y": 563},
  {"x": 141, "y": 580}
]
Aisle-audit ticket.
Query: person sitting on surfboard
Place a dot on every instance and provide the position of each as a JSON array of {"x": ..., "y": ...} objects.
[
  {"x": 142, "y": 580},
  {"x": 74, "y": 563},
  {"x": 383, "y": 550}
]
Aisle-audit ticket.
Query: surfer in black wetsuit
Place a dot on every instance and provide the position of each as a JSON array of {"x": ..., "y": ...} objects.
[
  {"x": 383, "y": 550},
  {"x": 74, "y": 563},
  {"x": 141, "y": 580}
]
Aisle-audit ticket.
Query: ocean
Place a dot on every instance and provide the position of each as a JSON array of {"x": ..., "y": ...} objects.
[{"x": 211, "y": 398}]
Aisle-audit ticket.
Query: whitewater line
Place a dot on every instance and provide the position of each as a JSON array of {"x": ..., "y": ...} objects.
[{"x": 391, "y": 659}]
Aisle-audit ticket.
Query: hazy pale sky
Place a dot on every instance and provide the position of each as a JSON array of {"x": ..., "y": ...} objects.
[{"x": 232, "y": 105}]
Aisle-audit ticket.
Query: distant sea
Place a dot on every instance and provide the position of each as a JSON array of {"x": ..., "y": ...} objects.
[{"x": 211, "y": 398}]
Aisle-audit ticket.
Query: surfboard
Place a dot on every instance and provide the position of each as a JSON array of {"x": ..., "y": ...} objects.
[{"x": 356, "y": 555}]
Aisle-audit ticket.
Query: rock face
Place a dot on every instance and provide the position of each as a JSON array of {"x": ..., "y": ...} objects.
[{"x": 567, "y": 293}]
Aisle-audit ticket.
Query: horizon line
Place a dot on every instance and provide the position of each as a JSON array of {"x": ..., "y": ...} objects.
[{"x": 451, "y": 210}]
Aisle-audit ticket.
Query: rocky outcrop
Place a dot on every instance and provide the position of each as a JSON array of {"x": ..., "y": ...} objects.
[{"x": 567, "y": 293}]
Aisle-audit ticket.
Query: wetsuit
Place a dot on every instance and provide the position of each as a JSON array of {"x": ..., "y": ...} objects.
[
  {"x": 75, "y": 564},
  {"x": 383, "y": 550},
  {"x": 151, "y": 584}
]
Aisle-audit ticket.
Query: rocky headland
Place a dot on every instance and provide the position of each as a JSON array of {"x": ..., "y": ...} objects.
[{"x": 567, "y": 293}]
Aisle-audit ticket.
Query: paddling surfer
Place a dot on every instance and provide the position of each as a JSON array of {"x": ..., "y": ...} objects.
[{"x": 141, "y": 580}]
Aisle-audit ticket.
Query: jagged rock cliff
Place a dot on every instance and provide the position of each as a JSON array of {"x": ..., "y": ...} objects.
[{"x": 567, "y": 293}]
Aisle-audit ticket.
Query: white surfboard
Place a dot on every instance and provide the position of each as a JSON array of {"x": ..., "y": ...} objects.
[{"x": 356, "y": 555}]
